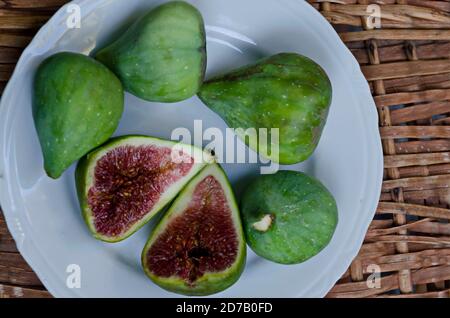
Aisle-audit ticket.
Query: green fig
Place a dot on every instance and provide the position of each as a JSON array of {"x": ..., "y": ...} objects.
[
  {"x": 285, "y": 91},
  {"x": 198, "y": 248},
  {"x": 288, "y": 217},
  {"x": 162, "y": 56},
  {"x": 77, "y": 105}
]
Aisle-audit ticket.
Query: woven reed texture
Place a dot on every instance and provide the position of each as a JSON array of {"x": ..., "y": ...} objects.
[{"x": 407, "y": 64}]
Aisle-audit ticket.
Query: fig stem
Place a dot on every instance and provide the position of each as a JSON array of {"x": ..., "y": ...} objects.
[{"x": 265, "y": 223}]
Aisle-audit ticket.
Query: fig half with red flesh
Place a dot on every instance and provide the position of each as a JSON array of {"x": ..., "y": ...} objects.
[
  {"x": 124, "y": 183},
  {"x": 198, "y": 248}
]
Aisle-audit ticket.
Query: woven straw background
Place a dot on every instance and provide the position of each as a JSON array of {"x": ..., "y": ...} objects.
[{"x": 407, "y": 63}]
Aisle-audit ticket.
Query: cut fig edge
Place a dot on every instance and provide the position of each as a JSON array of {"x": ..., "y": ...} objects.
[
  {"x": 177, "y": 208},
  {"x": 84, "y": 176}
]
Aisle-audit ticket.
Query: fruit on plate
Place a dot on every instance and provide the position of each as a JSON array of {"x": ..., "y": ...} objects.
[
  {"x": 77, "y": 105},
  {"x": 198, "y": 248},
  {"x": 288, "y": 217},
  {"x": 162, "y": 56},
  {"x": 124, "y": 183},
  {"x": 286, "y": 91}
]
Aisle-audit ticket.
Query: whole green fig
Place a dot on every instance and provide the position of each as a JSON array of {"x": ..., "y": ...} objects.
[
  {"x": 286, "y": 91},
  {"x": 288, "y": 216},
  {"x": 77, "y": 106},
  {"x": 162, "y": 56}
]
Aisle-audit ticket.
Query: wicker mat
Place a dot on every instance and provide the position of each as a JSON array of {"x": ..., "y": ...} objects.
[{"x": 407, "y": 63}]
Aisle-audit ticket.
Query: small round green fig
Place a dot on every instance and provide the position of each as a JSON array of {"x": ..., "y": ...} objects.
[
  {"x": 162, "y": 56},
  {"x": 288, "y": 217},
  {"x": 77, "y": 105},
  {"x": 198, "y": 248}
]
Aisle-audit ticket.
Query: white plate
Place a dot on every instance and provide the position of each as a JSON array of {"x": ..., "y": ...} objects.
[{"x": 43, "y": 214}]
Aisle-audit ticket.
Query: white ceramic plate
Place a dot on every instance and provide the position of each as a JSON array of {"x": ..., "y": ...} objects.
[{"x": 43, "y": 214}]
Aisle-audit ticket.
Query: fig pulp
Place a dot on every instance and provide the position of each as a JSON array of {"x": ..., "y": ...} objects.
[
  {"x": 124, "y": 183},
  {"x": 162, "y": 56},
  {"x": 286, "y": 91},
  {"x": 288, "y": 217},
  {"x": 77, "y": 105},
  {"x": 198, "y": 248}
]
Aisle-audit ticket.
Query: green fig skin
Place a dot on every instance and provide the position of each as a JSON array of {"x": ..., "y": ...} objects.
[
  {"x": 77, "y": 105},
  {"x": 209, "y": 283},
  {"x": 162, "y": 56},
  {"x": 303, "y": 216},
  {"x": 286, "y": 91}
]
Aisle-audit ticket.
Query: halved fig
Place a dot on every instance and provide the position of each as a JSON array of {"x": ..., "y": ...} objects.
[
  {"x": 198, "y": 248},
  {"x": 124, "y": 183}
]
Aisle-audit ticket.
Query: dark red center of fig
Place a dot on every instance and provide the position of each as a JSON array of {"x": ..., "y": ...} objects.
[
  {"x": 128, "y": 181},
  {"x": 201, "y": 239}
]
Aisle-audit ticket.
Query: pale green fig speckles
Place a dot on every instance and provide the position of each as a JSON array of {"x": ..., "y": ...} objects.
[
  {"x": 77, "y": 105},
  {"x": 286, "y": 91},
  {"x": 303, "y": 216},
  {"x": 161, "y": 57}
]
